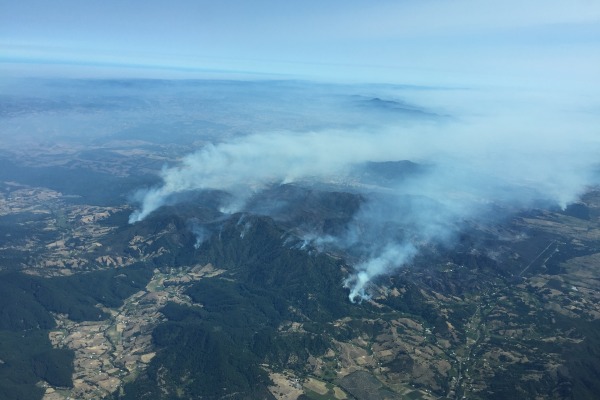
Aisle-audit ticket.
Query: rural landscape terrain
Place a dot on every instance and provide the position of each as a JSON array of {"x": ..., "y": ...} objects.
[{"x": 194, "y": 301}]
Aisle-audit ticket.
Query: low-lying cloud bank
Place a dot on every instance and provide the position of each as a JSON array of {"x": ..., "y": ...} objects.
[{"x": 495, "y": 149}]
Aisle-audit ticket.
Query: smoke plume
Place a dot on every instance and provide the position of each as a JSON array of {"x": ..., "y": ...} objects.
[
  {"x": 200, "y": 232},
  {"x": 492, "y": 150},
  {"x": 390, "y": 258}
]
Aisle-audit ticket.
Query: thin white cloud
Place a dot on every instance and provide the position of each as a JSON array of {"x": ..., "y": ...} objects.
[{"x": 407, "y": 41}]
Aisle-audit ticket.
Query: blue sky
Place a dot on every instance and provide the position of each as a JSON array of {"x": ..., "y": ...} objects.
[{"x": 535, "y": 42}]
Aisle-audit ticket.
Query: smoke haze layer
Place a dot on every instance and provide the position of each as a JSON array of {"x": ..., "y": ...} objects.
[{"x": 484, "y": 149}]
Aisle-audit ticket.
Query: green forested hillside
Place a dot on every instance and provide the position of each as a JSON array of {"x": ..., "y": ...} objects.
[
  {"x": 26, "y": 355},
  {"x": 219, "y": 347}
]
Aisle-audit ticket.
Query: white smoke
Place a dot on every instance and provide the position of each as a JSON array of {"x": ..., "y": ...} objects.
[
  {"x": 249, "y": 164},
  {"x": 520, "y": 153},
  {"x": 201, "y": 235},
  {"x": 392, "y": 257}
]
